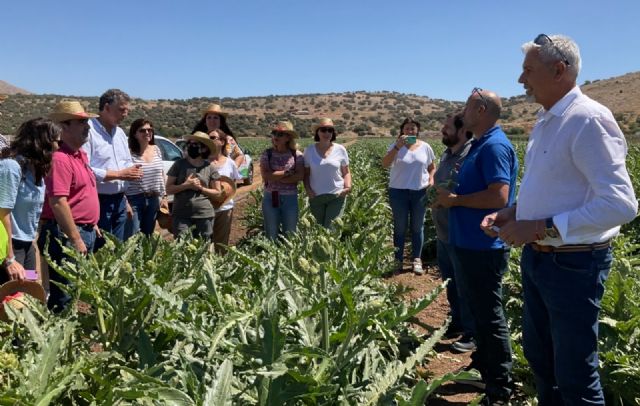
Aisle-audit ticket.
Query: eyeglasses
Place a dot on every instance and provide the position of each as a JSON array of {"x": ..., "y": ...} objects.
[
  {"x": 326, "y": 130},
  {"x": 278, "y": 134},
  {"x": 544, "y": 39},
  {"x": 478, "y": 91},
  {"x": 145, "y": 130}
]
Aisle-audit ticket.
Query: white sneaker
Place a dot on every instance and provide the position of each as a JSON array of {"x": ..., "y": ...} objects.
[{"x": 417, "y": 267}]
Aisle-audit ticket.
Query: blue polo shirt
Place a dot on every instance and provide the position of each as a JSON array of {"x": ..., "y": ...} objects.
[{"x": 491, "y": 159}]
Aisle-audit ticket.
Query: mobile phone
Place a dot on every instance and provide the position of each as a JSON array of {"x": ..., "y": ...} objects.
[
  {"x": 30, "y": 275},
  {"x": 275, "y": 199},
  {"x": 411, "y": 139}
]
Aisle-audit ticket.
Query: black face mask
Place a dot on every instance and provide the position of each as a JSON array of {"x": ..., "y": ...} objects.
[{"x": 193, "y": 150}]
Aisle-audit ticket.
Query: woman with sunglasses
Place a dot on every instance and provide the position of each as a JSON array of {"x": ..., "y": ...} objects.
[
  {"x": 147, "y": 195},
  {"x": 412, "y": 163},
  {"x": 223, "y": 214},
  {"x": 194, "y": 183},
  {"x": 23, "y": 167},
  {"x": 282, "y": 167},
  {"x": 327, "y": 179},
  {"x": 214, "y": 119}
]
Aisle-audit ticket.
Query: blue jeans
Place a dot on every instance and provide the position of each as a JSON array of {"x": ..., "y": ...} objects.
[
  {"x": 58, "y": 298},
  {"x": 562, "y": 294},
  {"x": 405, "y": 203},
  {"x": 285, "y": 215},
  {"x": 480, "y": 283},
  {"x": 145, "y": 212},
  {"x": 113, "y": 216},
  {"x": 461, "y": 318}
]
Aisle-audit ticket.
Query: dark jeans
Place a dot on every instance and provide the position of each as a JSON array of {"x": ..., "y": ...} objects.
[
  {"x": 562, "y": 294},
  {"x": 481, "y": 283},
  {"x": 145, "y": 212},
  {"x": 405, "y": 203},
  {"x": 50, "y": 231},
  {"x": 113, "y": 216},
  {"x": 461, "y": 318}
]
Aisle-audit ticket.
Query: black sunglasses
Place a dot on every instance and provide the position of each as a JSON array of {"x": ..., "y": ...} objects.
[
  {"x": 278, "y": 134},
  {"x": 326, "y": 130},
  {"x": 478, "y": 91},
  {"x": 457, "y": 122},
  {"x": 544, "y": 39},
  {"x": 145, "y": 130}
]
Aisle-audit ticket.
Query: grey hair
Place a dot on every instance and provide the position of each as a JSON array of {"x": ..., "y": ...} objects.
[
  {"x": 549, "y": 53},
  {"x": 112, "y": 96}
]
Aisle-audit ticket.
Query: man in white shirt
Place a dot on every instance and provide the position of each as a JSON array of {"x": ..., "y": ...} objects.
[
  {"x": 574, "y": 195},
  {"x": 110, "y": 160}
]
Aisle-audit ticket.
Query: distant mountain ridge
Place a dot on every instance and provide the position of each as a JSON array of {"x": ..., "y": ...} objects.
[
  {"x": 359, "y": 112},
  {"x": 9, "y": 89}
]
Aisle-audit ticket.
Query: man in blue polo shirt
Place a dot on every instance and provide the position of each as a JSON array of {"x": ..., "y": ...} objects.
[{"x": 486, "y": 181}]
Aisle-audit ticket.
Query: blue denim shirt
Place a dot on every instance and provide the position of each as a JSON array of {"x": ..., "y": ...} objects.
[{"x": 19, "y": 192}]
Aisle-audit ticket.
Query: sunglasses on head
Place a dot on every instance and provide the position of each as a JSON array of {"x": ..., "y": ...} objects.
[
  {"x": 478, "y": 91},
  {"x": 544, "y": 40},
  {"x": 327, "y": 130}
]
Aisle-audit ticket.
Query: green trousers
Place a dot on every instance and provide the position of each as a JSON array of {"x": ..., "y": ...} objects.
[{"x": 326, "y": 208}]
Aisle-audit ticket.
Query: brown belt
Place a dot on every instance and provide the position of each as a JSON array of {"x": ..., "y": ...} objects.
[{"x": 571, "y": 247}]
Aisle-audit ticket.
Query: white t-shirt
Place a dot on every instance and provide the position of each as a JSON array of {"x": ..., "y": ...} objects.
[
  {"x": 326, "y": 173},
  {"x": 410, "y": 168},
  {"x": 229, "y": 169}
]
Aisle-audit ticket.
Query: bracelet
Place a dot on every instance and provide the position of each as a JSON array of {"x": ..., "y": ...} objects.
[{"x": 10, "y": 260}]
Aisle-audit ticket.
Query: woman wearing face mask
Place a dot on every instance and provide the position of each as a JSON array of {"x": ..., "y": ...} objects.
[
  {"x": 214, "y": 119},
  {"x": 193, "y": 181},
  {"x": 412, "y": 163}
]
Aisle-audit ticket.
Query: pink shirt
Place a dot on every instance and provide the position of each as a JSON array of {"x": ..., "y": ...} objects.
[{"x": 72, "y": 177}]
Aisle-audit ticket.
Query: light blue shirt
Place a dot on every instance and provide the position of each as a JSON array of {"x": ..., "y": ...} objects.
[
  {"x": 23, "y": 197},
  {"x": 107, "y": 151}
]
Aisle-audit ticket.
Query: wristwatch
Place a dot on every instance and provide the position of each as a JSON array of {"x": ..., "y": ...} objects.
[
  {"x": 9, "y": 260},
  {"x": 550, "y": 229}
]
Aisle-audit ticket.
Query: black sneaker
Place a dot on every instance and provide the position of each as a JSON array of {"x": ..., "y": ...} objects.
[
  {"x": 464, "y": 344},
  {"x": 453, "y": 332},
  {"x": 487, "y": 401},
  {"x": 475, "y": 380}
]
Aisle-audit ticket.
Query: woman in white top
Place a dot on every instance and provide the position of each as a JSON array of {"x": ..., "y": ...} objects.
[
  {"x": 147, "y": 195},
  {"x": 327, "y": 178},
  {"x": 224, "y": 214},
  {"x": 412, "y": 163}
]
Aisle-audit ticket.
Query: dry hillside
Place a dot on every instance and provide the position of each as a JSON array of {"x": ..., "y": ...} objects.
[
  {"x": 8, "y": 89},
  {"x": 363, "y": 113}
]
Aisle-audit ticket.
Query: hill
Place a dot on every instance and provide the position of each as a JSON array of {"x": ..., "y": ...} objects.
[
  {"x": 359, "y": 112},
  {"x": 8, "y": 88}
]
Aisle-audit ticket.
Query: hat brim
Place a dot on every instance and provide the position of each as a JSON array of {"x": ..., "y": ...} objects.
[
  {"x": 230, "y": 187},
  {"x": 31, "y": 288},
  {"x": 220, "y": 113},
  {"x": 71, "y": 116},
  {"x": 206, "y": 141}
]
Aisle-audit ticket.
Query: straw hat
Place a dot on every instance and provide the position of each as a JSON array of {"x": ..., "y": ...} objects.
[
  {"x": 215, "y": 109},
  {"x": 164, "y": 219},
  {"x": 12, "y": 293},
  {"x": 285, "y": 127},
  {"x": 69, "y": 110},
  {"x": 324, "y": 122},
  {"x": 229, "y": 187},
  {"x": 203, "y": 138}
]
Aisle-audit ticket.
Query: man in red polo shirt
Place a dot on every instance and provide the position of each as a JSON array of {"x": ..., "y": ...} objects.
[{"x": 71, "y": 208}]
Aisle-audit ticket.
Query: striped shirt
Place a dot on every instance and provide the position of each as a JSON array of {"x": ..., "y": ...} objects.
[{"x": 153, "y": 179}]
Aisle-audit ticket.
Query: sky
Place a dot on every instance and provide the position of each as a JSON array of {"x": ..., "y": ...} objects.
[{"x": 182, "y": 49}]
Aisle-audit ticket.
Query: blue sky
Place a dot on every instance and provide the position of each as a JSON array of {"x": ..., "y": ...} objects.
[{"x": 182, "y": 49}]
